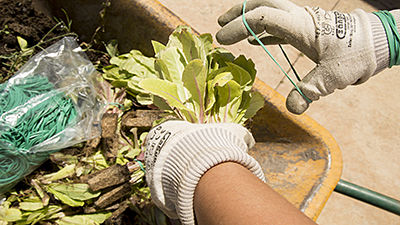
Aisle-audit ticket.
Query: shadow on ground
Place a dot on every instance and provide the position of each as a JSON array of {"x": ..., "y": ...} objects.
[{"x": 384, "y": 4}]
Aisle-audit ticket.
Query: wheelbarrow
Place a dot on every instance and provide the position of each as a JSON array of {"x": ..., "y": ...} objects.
[{"x": 300, "y": 158}]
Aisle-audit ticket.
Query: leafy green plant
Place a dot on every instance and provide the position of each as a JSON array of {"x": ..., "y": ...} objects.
[{"x": 190, "y": 78}]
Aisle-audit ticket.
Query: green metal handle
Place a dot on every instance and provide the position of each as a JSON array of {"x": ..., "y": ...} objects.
[{"x": 368, "y": 196}]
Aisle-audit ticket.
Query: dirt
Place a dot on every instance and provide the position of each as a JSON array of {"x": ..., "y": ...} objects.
[{"x": 19, "y": 18}]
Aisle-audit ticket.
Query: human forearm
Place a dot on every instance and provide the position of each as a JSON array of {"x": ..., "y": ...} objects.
[{"x": 230, "y": 194}]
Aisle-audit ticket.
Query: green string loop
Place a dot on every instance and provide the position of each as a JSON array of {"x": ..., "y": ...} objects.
[
  {"x": 392, "y": 34},
  {"x": 31, "y": 112},
  {"x": 266, "y": 50}
]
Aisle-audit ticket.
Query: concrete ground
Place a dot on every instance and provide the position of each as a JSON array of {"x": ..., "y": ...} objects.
[{"x": 363, "y": 119}]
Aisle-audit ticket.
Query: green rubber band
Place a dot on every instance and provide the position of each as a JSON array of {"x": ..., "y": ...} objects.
[
  {"x": 392, "y": 35},
  {"x": 266, "y": 50},
  {"x": 141, "y": 165},
  {"x": 34, "y": 125}
]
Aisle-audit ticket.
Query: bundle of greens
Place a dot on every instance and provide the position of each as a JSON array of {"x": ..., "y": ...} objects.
[{"x": 189, "y": 78}]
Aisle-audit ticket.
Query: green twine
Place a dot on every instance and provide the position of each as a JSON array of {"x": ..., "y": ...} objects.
[
  {"x": 141, "y": 165},
  {"x": 31, "y": 112},
  {"x": 273, "y": 59},
  {"x": 392, "y": 34}
]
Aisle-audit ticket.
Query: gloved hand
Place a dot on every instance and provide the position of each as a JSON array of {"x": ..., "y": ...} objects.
[
  {"x": 348, "y": 48},
  {"x": 178, "y": 153}
]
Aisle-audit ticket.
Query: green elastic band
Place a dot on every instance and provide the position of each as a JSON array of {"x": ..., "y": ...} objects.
[
  {"x": 119, "y": 105},
  {"x": 141, "y": 165},
  {"x": 266, "y": 50},
  {"x": 392, "y": 34},
  {"x": 39, "y": 112}
]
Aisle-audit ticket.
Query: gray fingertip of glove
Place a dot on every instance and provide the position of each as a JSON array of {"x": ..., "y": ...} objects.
[{"x": 296, "y": 103}]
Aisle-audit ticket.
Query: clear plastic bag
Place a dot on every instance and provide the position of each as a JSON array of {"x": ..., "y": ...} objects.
[{"x": 49, "y": 104}]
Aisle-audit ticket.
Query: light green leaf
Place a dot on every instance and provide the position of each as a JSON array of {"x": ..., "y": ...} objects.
[
  {"x": 164, "y": 89},
  {"x": 168, "y": 91},
  {"x": 228, "y": 101},
  {"x": 88, "y": 219},
  {"x": 221, "y": 79},
  {"x": 157, "y": 46},
  {"x": 9, "y": 214},
  {"x": 65, "y": 172},
  {"x": 257, "y": 101},
  {"x": 65, "y": 199},
  {"x": 248, "y": 65},
  {"x": 144, "y": 99},
  {"x": 194, "y": 80},
  {"x": 31, "y": 204},
  {"x": 77, "y": 191},
  {"x": 98, "y": 160},
  {"x": 206, "y": 44},
  {"x": 241, "y": 76},
  {"x": 23, "y": 44},
  {"x": 175, "y": 62}
]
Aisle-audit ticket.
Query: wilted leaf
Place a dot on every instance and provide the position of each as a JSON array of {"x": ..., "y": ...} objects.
[
  {"x": 9, "y": 214},
  {"x": 67, "y": 171},
  {"x": 31, "y": 204},
  {"x": 80, "y": 192},
  {"x": 88, "y": 219},
  {"x": 65, "y": 198}
]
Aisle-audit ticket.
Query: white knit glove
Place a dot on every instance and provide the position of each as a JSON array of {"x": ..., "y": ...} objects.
[
  {"x": 178, "y": 153},
  {"x": 348, "y": 47}
]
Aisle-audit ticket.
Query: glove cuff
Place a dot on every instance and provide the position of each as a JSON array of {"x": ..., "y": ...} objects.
[
  {"x": 380, "y": 43},
  {"x": 191, "y": 154}
]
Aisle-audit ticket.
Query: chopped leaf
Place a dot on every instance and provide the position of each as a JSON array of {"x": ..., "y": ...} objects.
[
  {"x": 9, "y": 214},
  {"x": 67, "y": 171},
  {"x": 88, "y": 219},
  {"x": 75, "y": 191},
  {"x": 65, "y": 198},
  {"x": 31, "y": 204}
]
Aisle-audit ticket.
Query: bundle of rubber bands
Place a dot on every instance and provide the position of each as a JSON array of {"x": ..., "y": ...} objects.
[{"x": 48, "y": 105}]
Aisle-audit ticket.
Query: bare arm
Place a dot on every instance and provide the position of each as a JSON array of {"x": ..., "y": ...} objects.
[{"x": 230, "y": 194}]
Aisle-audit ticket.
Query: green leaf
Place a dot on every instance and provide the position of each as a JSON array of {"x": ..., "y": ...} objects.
[
  {"x": 221, "y": 79},
  {"x": 168, "y": 91},
  {"x": 240, "y": 75},
  {"x": 77, "y": 191},
  {"x": 65, "y": 172},
  {"x": 65, "y": 198},
  {"x": 23, "y": 44},
  {"x": 31, "y": 204},
  {"x": 248, "y": 65},
  {"x": 157, "y": 46},
  {"x": 229, "y": 98},
  {"x": 194, "y": 80},
  {"x": 257, "y": 101},
  {"x": 112, "y": 48},
  {"x": 9, "y": 214},
  {"x": 174, "y": 62},
  {"x": 88, "y": 219},
  {"x": 206, "y": 44}
]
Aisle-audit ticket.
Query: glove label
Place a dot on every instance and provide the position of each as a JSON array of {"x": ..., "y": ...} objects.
[
  {"x": 334, "y": 23},
  {"x": 340, "y": 19},
  {"x": 155, "y": 141}
]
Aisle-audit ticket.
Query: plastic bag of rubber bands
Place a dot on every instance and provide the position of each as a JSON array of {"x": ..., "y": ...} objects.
[{"x": 49, "y": 104}]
